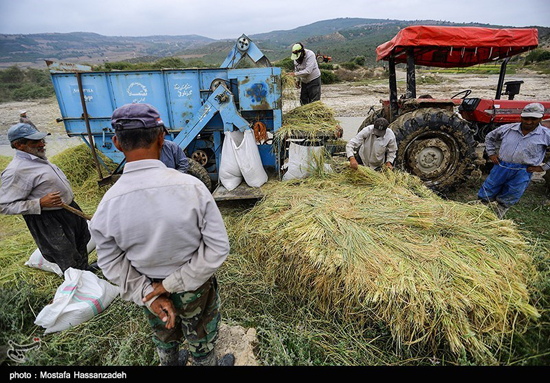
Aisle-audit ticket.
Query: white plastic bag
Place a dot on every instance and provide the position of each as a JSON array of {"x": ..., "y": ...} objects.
[
  {"x": 249, "y": 160},
  {"x": 230, "y": 173},
  {"x": 38, "y": 261},
  {"x": 79, "y": 298},
  {"x": 301, "y": 161}
]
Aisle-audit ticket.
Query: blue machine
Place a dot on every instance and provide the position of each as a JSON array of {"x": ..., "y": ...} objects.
[{"x": 196, "y": 105}]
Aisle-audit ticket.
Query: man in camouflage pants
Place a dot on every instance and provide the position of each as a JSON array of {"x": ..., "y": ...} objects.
[
  {"x": 197, "y": 319},
  {"x": 160, "y": 237}
]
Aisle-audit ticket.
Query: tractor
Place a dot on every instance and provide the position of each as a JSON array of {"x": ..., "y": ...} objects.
[{"x": 439, "y": 140}]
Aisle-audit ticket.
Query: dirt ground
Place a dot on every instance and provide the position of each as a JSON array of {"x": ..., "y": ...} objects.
[{"x": 350, "y": 100}]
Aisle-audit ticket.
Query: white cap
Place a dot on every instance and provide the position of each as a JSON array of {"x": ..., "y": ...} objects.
[{"x": 535, "y": 110}]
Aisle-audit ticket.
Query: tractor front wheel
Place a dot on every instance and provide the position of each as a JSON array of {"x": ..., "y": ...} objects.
[{"x": 437, "y": 146}]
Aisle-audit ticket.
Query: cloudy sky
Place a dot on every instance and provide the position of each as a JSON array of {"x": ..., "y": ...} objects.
[{"x": 221, "y": 19}]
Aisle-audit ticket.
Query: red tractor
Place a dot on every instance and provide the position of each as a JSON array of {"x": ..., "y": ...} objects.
[{"x": 434, "y": 141}]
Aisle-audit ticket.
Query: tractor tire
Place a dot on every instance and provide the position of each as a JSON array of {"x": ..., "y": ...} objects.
[
  {"x": 437, "y": 146},
  {"x": 371, "y": 117},
  {"x": 198, "y": 171}
]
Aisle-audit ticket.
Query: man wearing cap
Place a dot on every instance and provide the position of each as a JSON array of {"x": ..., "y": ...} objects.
[
  {"x": 307, "y": 71},
  {"x": 375, "y": 144},
  {"x": 24, "y": 119},
  {"x": 160, "y": 237},
  {"x": 522, "y": 149},
  {"x": 37, "y": 189}
]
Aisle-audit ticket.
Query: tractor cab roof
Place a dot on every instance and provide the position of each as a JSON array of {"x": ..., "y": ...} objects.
[{"x": 457, "y": 46}]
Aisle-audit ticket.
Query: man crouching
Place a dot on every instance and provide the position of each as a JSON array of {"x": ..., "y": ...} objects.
[{"x": 160, "y": 237}]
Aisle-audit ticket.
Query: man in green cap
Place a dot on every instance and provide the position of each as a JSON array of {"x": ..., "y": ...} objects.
[{"x": 307, "y": 71}]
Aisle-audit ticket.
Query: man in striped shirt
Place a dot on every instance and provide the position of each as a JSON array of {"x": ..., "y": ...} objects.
[{"x": 522, "y": 149}]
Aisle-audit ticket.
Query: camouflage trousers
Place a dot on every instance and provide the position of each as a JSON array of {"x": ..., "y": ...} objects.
[{"x": 197, "y": 320}]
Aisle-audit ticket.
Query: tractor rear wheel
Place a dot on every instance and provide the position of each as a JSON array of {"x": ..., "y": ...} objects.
[
  {"x": 437, "y": 146},
  {"x": 197, "y": 170}
]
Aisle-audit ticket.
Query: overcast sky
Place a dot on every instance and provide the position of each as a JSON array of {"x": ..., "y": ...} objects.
[{"x": 220, "y": 19}]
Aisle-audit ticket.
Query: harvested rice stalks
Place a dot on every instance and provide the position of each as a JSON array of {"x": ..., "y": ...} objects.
[
  {"x": 308, "y": 121},
  {"x": 379, "y": 246}
]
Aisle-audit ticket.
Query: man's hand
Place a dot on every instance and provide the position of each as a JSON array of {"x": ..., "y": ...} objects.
[
  {"x": 353, "y": 163},
  {"x": 533, "y": 169},
  {"x": 389, "y": 165},
  {"x": 158, "y": 289},
  {"x": 164, "y": 308},
  {"x": 51, "y": 200},
  {"x": 494, "y": 159}
]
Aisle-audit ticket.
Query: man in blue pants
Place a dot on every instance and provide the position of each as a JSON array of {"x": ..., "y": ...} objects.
[{"x": 522, "y": 149}]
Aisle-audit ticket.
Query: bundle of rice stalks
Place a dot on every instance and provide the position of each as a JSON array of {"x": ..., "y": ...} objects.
[
  {"x": 375, "y": 247},
  {"x": 78, "y": 165},
  {"x": 308, "y": 121}
]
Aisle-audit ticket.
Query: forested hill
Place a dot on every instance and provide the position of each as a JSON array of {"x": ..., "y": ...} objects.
[{"x": 342, "y": 39}]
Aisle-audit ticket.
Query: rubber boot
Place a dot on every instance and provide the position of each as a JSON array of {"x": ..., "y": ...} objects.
[
  {"x": 227, "y": 360},
  {"x": 207, "y": 360},
  {"x": 210, "y": 360},
  {"x": 168, "y": 356},
  {"x": 172, "y": 356}
]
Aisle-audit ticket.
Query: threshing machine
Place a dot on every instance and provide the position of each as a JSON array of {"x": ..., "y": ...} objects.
[{"x": 196, "y": 105}]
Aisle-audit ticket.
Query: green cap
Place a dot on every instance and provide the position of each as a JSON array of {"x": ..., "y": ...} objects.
[{"x": 296, "y": 51}]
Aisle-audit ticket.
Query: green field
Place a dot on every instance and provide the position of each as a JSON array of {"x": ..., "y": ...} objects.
[{"x": 291, "y": 330}]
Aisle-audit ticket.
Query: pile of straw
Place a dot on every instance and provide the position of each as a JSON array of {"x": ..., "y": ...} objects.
[
  {"x": 78, "y": 165},
  {"x": 379, "y": 246},
  {"x": 308, "y": 121}
]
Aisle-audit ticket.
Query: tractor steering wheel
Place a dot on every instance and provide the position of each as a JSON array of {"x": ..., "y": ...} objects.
[{"x": 466, "y": 93}]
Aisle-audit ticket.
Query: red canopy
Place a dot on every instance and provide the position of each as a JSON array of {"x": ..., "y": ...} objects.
[{"x": 457, "y": 46}]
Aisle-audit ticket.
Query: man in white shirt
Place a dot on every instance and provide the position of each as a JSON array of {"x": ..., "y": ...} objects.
[
  {"x": 160, "y": 237},
  {"x": 307, "y": 71},
  {"x": 375, "y": 144},
  {"x": 37, "y": 189}
]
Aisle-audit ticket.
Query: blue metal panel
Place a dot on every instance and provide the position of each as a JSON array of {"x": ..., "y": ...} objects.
[
  {"x": 140, "y": 88},
  {"x": 259, "y": 88}
]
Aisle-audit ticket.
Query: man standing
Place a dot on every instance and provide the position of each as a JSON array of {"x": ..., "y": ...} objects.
[
  {"x": 307, "y": 71},
  {"x": 375, "y": 144},
  {"x": 37, "y": 189},
  {"x": 160, "y": 237},
  {"x": 522, "y": 149},
  {"x": 24, "y": 119}
]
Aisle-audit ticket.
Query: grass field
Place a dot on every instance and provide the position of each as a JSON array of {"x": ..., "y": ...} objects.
[{"x": 291, "y": 330}]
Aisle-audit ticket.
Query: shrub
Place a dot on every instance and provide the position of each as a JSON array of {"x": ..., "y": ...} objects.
[
  {"x": 326, "y": 66},
  {"x": 328, "y": 77},
  {"x": 286, "y": 63},
  {"x": 350, "y": 65},
  {"x": 360, "y": 60}
]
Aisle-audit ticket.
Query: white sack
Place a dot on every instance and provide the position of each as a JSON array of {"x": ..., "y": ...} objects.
[
  {"x": 79, "y": 298},
  {"x": 230, "y": 173},
  {"x": 38, "y": 261},
  {"x": 301, "y": 161},
  {"x": 248, "y": 158}
]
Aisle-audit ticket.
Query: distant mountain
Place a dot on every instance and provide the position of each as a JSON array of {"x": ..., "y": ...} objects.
[
  {"x": 91, "y": 48},
  {"x": 342, "y": 39}
]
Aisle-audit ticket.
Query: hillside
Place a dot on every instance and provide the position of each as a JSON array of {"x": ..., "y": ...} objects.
[
  {"x": 342, "y": 39},
  {"x": 80, "y": 47}
]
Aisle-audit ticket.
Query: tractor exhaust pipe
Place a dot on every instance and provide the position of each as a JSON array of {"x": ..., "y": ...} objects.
[{"x": 501, "y": 78}]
